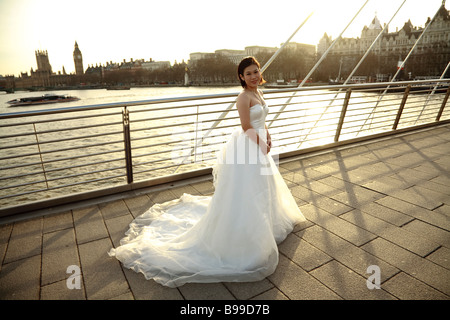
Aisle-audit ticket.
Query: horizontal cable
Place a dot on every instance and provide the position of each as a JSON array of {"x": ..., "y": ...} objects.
[
  {"x": 301, "y": 115},
  {"x": 59, "y": 150},
  {"x": 59, "y": 119},
  {"x": 62, "y": 129},
  {"x": 60, "y": 169},
  {"x": 62, "y": 186}
]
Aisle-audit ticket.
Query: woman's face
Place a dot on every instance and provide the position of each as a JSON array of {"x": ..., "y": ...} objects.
[{"x": 251, "y": 76}]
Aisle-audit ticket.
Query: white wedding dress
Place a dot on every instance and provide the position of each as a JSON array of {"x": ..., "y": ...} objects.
[{"x": 231, "y": 236}]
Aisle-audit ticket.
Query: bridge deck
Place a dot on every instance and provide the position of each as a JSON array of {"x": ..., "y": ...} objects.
[{"x": 384, "y": 203}]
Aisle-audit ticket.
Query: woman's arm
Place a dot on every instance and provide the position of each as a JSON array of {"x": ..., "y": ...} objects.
[{"x": 269, "y": 138}]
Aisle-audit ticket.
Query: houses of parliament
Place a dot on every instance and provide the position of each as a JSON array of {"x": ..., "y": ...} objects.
[
  {"x": 44, "y": 76},
  {"x": 92, "y": 76}
]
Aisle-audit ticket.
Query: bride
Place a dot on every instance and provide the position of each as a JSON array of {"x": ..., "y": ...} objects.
[{"x": 232, "y": 235}]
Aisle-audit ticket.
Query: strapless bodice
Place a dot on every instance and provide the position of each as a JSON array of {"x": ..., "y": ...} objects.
[{"x": 258, "y": 114}]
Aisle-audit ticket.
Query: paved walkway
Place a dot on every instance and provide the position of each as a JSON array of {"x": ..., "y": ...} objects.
[{"x": 384, "y": 204}]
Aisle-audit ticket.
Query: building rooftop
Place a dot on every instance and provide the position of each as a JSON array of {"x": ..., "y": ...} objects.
[{"x": 375, "y": 24}]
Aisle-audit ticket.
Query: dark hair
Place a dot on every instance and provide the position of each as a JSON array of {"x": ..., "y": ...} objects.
[{"x": 246, "y": 62}]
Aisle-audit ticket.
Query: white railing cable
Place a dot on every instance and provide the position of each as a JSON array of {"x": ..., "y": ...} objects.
[
  {"x": 403, "y": 64},
  {"x": 313, "y": 69},
  {"x": 432, "y": 92},
  {"x": 386, "y": 26},
  {"x": 51, "y": 162},
  {"x": 266, "y": 65}
]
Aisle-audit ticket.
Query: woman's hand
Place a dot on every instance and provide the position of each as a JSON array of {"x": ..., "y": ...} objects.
[
  {"x": 265, "y": 147},
  {"x": 269, "y": 139},
  {"x": 268, "y": 144}
]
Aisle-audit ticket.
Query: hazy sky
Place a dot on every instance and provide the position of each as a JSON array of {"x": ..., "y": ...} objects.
[{"x": 113, "y": 30}]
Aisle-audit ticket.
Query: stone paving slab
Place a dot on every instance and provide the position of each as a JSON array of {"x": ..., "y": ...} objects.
[{"x": 382, "y": 203}]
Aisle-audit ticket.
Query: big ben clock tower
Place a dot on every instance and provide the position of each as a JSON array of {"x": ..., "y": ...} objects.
[{"x": 78, "y": 59}]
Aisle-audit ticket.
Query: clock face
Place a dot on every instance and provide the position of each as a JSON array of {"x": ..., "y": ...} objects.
[{"x": 79, "y": 57}]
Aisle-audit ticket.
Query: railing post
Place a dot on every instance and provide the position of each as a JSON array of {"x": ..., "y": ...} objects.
[
  {"x": 342, "y": 117},
  {"x": 402, "y": 106},
  {"x": 127, "y": 144},
  {"x": 444, "y": 102}
]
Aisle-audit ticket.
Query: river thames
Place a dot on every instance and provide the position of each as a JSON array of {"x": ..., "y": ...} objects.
[
  {"x": 94, "y": 150},
  {"x": 101, "y": 96},
  {"x": 11, "y": 176}
]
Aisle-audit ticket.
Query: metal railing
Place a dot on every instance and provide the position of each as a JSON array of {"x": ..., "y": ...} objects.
[{"x": 50, "y": 157}]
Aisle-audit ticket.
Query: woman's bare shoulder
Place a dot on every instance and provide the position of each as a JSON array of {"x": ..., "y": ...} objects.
[
  {"x": 243, "y": 98},
  {"x": 243, "y": 94}
]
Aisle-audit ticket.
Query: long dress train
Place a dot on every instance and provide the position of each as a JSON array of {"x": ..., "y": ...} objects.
[{"x": 230, "y": 236}]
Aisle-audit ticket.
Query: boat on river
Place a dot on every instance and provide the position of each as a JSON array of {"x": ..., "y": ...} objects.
[
  {"x": 44, "y": 99},
  {"x": 118, "y": 87},
  {"x": 281, "y": 84}
]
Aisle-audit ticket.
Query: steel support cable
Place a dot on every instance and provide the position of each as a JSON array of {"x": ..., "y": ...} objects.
[
  {"x": 266, "y": 65},
  {"x": 318, "y": 62},
  {"x": 286, "y": 141},
  {"x": 401, "y": 67},
  {"x": 358, "y": 65},
  {"x": 432, "y": 93}
]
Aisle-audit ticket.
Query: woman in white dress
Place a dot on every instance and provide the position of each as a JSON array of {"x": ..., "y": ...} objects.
[{"x": 232, "y": 235}]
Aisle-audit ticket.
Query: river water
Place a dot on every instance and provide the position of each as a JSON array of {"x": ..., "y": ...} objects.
[
  {"x": 148, "y": 152},
  {"x": 26, "y": 185},
  {"x": 101, "y": 96}
]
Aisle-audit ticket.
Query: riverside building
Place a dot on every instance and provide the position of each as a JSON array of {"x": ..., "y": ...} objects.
[{"x": 429, "y": 58}]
